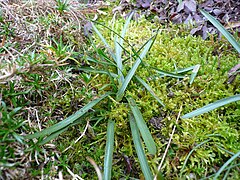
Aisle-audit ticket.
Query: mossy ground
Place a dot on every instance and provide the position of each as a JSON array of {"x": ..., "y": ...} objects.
[{"x": 48, "y": 90}]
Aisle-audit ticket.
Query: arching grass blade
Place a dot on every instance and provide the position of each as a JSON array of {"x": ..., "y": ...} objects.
[
  {"x": 149, "y": 89},
  {"x": 118, "y": 48},
  {"x": 194, "y": 73},
  {"x": 184, "y": 70},
  {"x": 131, "y": 73},
  {"x": 190, "y": 153},
  {"x": 139, "y": 149},
  {"x": 165, "y": 73},
  {"x": 220, "y": 27},
  {"x": 103, "y": 40},
  {"x": 52, "y": 136},
  {"x": 145, "y": 133},
  {"x": 87, "y": 69},
  {"x": 109, "y": 151},
  {"x": 212, "y": 106},
  {"x": 68, "y": 121}
]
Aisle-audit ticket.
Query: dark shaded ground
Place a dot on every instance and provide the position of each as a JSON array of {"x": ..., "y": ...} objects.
[{"x": 226, "y": 11}]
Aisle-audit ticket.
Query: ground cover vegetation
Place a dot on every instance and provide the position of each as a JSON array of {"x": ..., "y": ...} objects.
[{"x": 86, "y": 95}]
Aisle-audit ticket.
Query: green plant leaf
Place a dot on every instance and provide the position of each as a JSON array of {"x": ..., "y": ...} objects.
[
  {"x": 139, "y": 149},
  {"x": 118, "y": 48},
  {"x": 194, "y": 73},
  {"x": 225, "y": 165},
  {"x": 145, "y": 133},
  {"x": 165, "y": 73},
  {"x": 68, "y": 121},
  {"x": 87, "y": 69},
  {"x": 212, "y": 106},
  {"x": 131, "y": 73},
  {"x": 220, "y": 27},
  {"x": 109, "y": 151},
  {"x": 109, "y": 63},
  {"x": 184, "y": 70},
  {"x": 52, "y": 136},
  {"x": 149, "y": 89},
  {"x": 118, "y": 60},
  {"x": 14, "y": 111},
  {"x": 104, "y": 41}
]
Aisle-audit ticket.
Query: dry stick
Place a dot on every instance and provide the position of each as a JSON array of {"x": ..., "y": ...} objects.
[
  {"x": 99, "y": 174},
  {"x": 75, "y": 176},
  {"x": 84, "y": 131},
  {"x": 168, "y": 145}
]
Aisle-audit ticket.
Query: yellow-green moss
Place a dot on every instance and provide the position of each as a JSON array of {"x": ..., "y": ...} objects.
[{"x": 172, "y": 49}]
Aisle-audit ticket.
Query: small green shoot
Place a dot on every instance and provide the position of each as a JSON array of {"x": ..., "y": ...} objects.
[
  {"x": 62, "y": 5},
  {"x": 194, "y": 73}
]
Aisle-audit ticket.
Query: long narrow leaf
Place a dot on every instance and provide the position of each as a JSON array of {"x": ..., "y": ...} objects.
[
  {"x": 118, "y": 60},
  {"x": 87, "y": 69},
  {"x": 52, "y": 136},
  {"x": 228, "y": 168},
  {"x": 194, "y": 73},
  {"x": 125, "y": 28},
  {"x": 139, "y": 149},
  {"x": 220, "y": 27},
  {"x": 149, "y": 89},
  {"x": 225, "y": 165},
  {"x": 99, "y": 62},
  {"x": 165, "y": 73},
  {"x": 145, "y": 133},
  {"x": 109, "y": 151},
  {"x": 103, "y": 40},
  {"x": 118, "y": 48},
  {"x": 67, "y": 121},
  {"x": 120, "y": 42},
  {"x": 184, "y": 70},
  {"x": 212, "y": 106},
  {"x": 131, "y": 73}
]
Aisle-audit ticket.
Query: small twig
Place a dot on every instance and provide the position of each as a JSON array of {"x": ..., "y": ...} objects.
[
  {"x": 99, "y": 174},
  {"x": 168, "y": 145},
  {"x": 38, "y": 120},
  {"x": 10, "y": 74},
  {"x": 75, "y": 176},
  {"x": 84, "y": 132}
]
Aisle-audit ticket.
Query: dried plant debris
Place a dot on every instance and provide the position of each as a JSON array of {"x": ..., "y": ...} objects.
[
  {"x": 226, "y": 11},
  {"x": 39, "y": 27},
  {"x": 232, "y": 74}
]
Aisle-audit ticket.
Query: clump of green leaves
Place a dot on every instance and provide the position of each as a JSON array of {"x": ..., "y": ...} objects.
[
  {"x": 62, "y": 5},
  {"x": 136, "y": 119}
]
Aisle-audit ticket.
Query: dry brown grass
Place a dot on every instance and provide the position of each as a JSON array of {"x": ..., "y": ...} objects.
[
  {"x": 26, "y": 27},
  {"x": 32, "y": 25}
]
